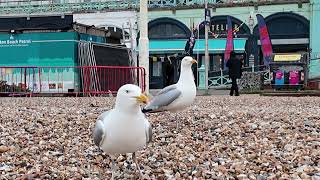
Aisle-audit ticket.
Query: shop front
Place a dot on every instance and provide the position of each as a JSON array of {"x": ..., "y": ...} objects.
[
  {"x": 217, "y": 43},
  {"x": 288, "y": 70},
  {"x": 167, "y": 40},
  {"x": 289, "y": 33},
  {"x": 176, "y": 48}
]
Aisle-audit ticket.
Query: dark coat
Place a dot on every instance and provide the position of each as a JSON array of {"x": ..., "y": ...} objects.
[{"x": 235, "y": 67}]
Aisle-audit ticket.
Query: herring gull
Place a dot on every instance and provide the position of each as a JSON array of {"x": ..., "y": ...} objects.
[
  {"x": 125, "y": 128},
  {"x": 176, "y": 97}
]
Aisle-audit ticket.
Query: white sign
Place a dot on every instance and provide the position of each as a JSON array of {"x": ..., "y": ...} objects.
[{"x": 15, "y": 42}]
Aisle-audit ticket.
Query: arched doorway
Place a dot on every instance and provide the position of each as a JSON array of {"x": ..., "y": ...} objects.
[
  {"x": 167, "y": 39},
  {"x": 289, "y": 33},
  {"x": 167, "y": 28}
]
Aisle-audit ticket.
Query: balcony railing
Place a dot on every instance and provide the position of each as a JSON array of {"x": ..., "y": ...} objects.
[{"x": 64, "y": 6}]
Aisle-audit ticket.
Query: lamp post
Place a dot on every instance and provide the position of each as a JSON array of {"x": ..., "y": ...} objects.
[
  {"x": 206, "y": 53},
  {"x": 144, "y": 41}
]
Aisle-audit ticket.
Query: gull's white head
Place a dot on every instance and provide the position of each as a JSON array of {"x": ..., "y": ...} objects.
[
  {"x": 188, "y": 61},
  {"x": 130, "y": 96}
]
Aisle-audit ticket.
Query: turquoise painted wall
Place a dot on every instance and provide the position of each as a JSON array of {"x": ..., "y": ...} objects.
[
  {"x": 315, "y": 39},
  {"x": 40, "y": 49}
]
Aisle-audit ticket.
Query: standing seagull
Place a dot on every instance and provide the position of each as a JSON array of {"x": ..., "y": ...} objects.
[
  {"x": 125, "y": 128},
  {"x": 178, "y": 96}
]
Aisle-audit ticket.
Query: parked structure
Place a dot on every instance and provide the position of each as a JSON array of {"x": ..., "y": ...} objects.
[{"x": 46, "y": 50}]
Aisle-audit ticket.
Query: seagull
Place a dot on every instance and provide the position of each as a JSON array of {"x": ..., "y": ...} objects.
[
  {"x": 176, "y": 97},
  {"x": 125, "y": 128}
]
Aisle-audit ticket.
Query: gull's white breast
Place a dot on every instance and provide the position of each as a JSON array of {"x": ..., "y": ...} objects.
[
  {"x": 125, "y": 133},
  {"x": 188, "y": 94}
]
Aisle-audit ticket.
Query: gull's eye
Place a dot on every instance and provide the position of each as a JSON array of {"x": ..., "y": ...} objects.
[{"x": 127, "y": 91}]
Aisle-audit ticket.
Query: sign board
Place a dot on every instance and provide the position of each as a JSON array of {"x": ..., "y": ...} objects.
[
  {"x": 38, "y": 49},
  {"x": 207, "y": 16},
  {"x": 218, "y": 26},
  {"x": 287, "y": 57}
]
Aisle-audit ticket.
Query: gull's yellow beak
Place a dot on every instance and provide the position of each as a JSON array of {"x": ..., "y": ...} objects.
[
  {"x": 142, "y": 99},
  {"x": 194, "y": 61}
]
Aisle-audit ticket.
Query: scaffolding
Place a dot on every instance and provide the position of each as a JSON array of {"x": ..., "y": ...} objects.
[{"x": 86, "y": 58}]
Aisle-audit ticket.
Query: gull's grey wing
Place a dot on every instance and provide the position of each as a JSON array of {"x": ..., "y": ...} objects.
[
  {"x": 166, "y": 89},
  {"x": 164, "y": 98},
  {"x": 99, "y": 132},
  {"x": 148, "y": 130}
]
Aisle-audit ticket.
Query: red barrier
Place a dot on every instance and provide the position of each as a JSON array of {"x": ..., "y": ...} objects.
[{"x": 82, "y": 80}]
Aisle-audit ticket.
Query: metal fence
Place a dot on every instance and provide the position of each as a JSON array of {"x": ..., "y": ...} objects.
[
  {"x": 221, "y": 78},
  {"x": 79, "y": 80}
]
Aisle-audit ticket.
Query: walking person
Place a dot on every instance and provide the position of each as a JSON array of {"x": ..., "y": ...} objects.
[{"x": 235, "y": 72}]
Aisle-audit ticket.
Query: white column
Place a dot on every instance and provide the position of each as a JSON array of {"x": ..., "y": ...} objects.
[{"x": 144, "y": 41}]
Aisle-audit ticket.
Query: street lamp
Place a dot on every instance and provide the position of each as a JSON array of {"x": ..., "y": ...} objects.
[
  {"x": 144, "y": 41},
  {"x": 206, "y": 53}
]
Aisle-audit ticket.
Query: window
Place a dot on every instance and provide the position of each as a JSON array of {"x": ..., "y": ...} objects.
[
  {"x": 215, "y": 62},
  {"x": 166, "y": 31}
]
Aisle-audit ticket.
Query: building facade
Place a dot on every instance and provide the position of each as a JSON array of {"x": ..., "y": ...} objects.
[{"x": 288, "y": 24}]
